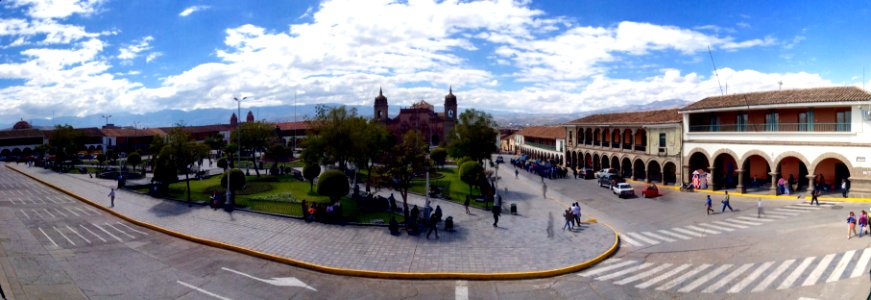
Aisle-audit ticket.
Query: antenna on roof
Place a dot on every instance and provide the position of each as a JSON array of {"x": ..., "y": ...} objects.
[
  {"x": 715, "y": 71},
  {"x": 779, "y": 84}
]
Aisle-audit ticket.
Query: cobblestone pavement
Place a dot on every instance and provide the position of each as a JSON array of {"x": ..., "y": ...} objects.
[{"x": 529, "y": 241}]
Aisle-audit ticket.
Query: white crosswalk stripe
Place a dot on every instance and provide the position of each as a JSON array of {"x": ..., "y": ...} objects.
[
  {"x": 119, "y": 230},
  {"x": 773, "y": 276},
  {"x": 77, "y": 233},
  {"x": 680, "y": 236},
  {"x": 629, "y": 240},
  {"x": 781, "y": 213},
  {"x": 792, "y": 210},
  {"x": 92, "y": 233},
  {"x": 803, "y": 207},
  {"x": 682, "y": 278},
  {"x": 684, "y": 231},
  {"x": 755, "y": 219},
  {"x": 72, "y": 211},
  {"x": 631, "y": 269},
  {"x": 606, "y": 268},
  {"x": 725, "y": 280},
  {"x": 64, "y": 235},
  {"x": 792, "y": 277},
  {"x": 702, "y": 230},
  {"x": 736, "y": 221},
  {"x": 729, "y": 224},
  {"x": 722, "y": 228},
  {"x": 663, "y": 276},
  {"x": 859, "y": 269},
  {"x": 48, "y": 237},
  {"x": 107, "y": 232},
  {"x": 642, "y": 238},
  {"x": 657, "y": 236},
  {"x": 750, "y": 278},
  {"x": 704, "y": 278},
  {"x": 777, "y": 217},
  {"x": 818, "y": 271},
  {"x": 131, "y": 228},
  {"x": 841, "y": 266},
  {"x": 643, "y": 275}
]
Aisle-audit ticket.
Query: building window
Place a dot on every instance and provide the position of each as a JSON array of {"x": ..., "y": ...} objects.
[
  {"x": 741, "y": 122},
  {"x": 662, "y": 142},
  {"x": 715, "y": 123},
  {"x": 843, "y": 118},
  {"x": 806, "y": 121},
  {"x": 771, "y": 121}
]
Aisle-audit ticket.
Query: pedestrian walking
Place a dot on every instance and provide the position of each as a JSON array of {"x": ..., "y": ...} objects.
[
  {"x": 759, "y": 208},
  {"x": 516, "y": 173},
  {"x": 863, "y": 222},
  {"x": 466, "y": 204},
  {"x": 112, "y": 197},
  {"x": 851, "y": 223},
  {"x": 433, "y": 225},
  {"x": 708, "y": 204},
  {"x": 497, "y": 210},
  {"x": 814, "y": 195},
  {"x": 844, "y": 188},
  {"x": 726, "y": 203},
  {"x": 576, "y": 210},
  {"x": 544, "y": 190},
  {"x": 567, "y": 214}
]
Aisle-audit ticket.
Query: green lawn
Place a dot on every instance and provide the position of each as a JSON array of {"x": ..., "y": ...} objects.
[
  {"x": 283, "y": 198},
  {"x": 458, "y": 188}
]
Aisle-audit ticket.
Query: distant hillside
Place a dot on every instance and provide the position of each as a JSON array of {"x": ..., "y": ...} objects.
[{"x": 284, "y": 113}]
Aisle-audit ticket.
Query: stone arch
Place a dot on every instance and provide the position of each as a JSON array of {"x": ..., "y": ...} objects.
[
  {"x": 639, "y": 169},
  {"x": 616, "y": 138},
  {"x": 597, "y": 161},
  {"x": 802, "y": 169},
  {"x": 833, "y": 174},
  {"x": 725, "y": 169},
  {"x": 813, "y": 167},
  {"x": 625, "y": 166},
  {"x": 588, "y": 160},
  {"x": 669, "y": 172},
  {"x": 654, "y": 171},
  {"x": 698, "y": 160},
  {"x": 791, "y": 154},
  {"x": 606, "y": 162},
  {"x": 694, "y": 151},
  {"x": 750, "y": 153},
  {"x": 615, "y": 163},
  {"x": 597, "y": 137}
]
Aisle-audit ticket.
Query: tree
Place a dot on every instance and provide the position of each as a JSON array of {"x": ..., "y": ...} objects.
[
  {"x": 474, "y": 136},
  {"x": 165, "y": 171},
  {"x": 156, "y": 145},
  {"x": 471, "y": 173},
  {"x": 65, "y": 141},
  {"x": 369, "y": 145},
  {"x": 310, "y": 172},
  {"x": 222, "y": 163},
  {"x": 255, "y": 137},
  {"x": 405, "y": 161},
  {"x": 439, "y": 155},
  {"x": 237, "y": 182},
  {"x": 276, "y": 153},
  {"x": 215, "y": 142},
  {"x": 134, "y": 159},
  {"x": 333, "y": 136},
  {"x": 333, "y": 184},
  {"x": 101, "y": 158}
]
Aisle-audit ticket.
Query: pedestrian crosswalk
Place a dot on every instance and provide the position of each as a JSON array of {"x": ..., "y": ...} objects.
[
  {"x": 733, "y": 278},
  {"x": 700, "y": 230},
  {"x": 53, "y": 213},
  {"x": 69, "y": 236}
]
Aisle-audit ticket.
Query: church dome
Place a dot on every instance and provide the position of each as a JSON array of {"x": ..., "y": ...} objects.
[
  {"x": 380, "y": 100},
  {"x": 22, "y": 125}
]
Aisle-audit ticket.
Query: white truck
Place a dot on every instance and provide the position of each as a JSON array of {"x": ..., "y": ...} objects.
[{"x": 623, "y": 189}]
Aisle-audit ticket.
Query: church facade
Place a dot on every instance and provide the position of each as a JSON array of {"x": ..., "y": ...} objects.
[{"x": 421, "y": 116}]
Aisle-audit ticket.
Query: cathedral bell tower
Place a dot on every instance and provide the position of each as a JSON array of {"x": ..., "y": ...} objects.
[
  {"x": 450, "y": 113},
  {"x": 381, "y": 107}
]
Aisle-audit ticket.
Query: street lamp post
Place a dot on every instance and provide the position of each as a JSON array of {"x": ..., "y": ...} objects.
[{"x": 230, "y": 200}]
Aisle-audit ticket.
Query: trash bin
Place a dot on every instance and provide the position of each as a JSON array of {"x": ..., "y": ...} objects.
[{"x": 513, "y": 208}]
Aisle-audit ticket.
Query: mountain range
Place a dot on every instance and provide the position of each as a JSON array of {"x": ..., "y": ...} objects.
[{"x": 168, "y": 118}]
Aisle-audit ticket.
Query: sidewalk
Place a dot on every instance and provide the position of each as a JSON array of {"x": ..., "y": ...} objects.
[{"x": 531, "y": 241}]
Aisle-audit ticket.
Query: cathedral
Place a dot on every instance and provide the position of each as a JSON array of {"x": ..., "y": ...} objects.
[{"x": 434, "y": 126}]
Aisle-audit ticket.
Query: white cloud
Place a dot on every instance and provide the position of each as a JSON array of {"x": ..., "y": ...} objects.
[
  {"x": 57, "y": 9},
  {"x": 132, "y": 51},
  {"x": 188, "y": 11},
  {"x": 152, "y": 56},
  {"x": 307, "y": 13}
]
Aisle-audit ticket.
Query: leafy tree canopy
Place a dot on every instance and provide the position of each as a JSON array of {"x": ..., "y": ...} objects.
[{"x": 474, "y": 136}]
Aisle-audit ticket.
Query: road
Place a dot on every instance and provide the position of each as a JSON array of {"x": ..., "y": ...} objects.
[{"x": 53, "y": 246}]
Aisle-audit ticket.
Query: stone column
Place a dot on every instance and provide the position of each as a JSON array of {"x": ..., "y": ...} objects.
[
  {"x": 683, "y": 176},
  {"x": 713, "y": 182},
  {"x": 810, "y": 183},
  {"x": 773, "y": 182},
  {"x": 740, "y": 186}
]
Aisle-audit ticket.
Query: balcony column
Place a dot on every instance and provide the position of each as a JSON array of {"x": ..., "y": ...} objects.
[
  {"x": 810, "y": 183},
  {"x": 740, "y": 186},
  {"x": 686, "y": 171},
  {"x": 632, "y": 140},
  {"x": 713, "y": 182},
  {"x": 773, "y": 182}
]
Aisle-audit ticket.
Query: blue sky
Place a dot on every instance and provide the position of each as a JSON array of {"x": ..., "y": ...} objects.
[{"x": 82, "y": 57}]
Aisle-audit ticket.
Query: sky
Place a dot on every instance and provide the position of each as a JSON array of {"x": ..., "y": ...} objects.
[{"x": 86, "y": 57}]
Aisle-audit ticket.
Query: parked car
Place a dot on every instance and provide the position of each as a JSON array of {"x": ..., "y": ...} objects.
[
  {"x": 605, "y": 172},
  {"x": 650, "y": 191},
  {"x": 623, "y": 189},
  {"x": 586, "y": 174},
  {"x": 610, "y": 180}
]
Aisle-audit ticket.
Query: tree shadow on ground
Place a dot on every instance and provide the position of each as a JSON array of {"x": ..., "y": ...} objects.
[{"x": 170, "y": 209}]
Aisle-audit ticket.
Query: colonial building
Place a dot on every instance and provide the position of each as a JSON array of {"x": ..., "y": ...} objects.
[
  {"x": 748, "y": 141},
  {"x": 21, "y": 140},
  {"x": 642, "y": 145},
  {"x": 542, "y": 142},
  {"x": 421, "y": 116}
]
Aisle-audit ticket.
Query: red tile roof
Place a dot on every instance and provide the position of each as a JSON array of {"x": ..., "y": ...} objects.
[
  {"x": 650, "y": 117},
  {"x": 547, "y": 132},
  {"x": 201, "y": 128},
  {"x": 813, "y": 95},
  {"x": 21, "y": 133},
  {"x": 299, "y": 125},
  {"x": 122, "y": 132}
]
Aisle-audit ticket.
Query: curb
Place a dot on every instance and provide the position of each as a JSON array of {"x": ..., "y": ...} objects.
[
  {"x": 800, "y": 197},
  {"x": 341, "y": 271}
]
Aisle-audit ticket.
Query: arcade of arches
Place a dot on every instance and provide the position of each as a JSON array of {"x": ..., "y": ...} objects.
[
  {"x": 637, "y": 167},
  {"x": 758, "y": 172}
]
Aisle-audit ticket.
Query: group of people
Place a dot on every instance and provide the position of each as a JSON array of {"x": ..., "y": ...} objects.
[
  {"x": 726, "y": 204},
  {"x": 572, "y": 216},
  {"x": 862, "y": 222},
  {"x": 543, "y": 169},
  {"x": 327, "y": 213},
  {"x": 418, "y": 220}
]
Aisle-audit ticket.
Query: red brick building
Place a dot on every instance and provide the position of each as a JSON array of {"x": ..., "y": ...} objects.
[{"x": 421, "y": 116}]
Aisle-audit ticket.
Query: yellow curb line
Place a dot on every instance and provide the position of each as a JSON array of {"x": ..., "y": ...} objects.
[
  {"x": 341, "y": 271},
  {"x": 789, "y": 197}
]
